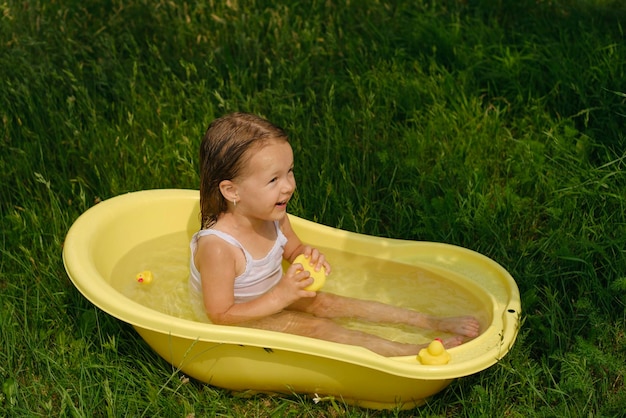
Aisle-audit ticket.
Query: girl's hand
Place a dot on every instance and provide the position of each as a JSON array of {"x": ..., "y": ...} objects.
[
  {"x": 291, "y": 286},
  {"x": 317, "y": 259}
]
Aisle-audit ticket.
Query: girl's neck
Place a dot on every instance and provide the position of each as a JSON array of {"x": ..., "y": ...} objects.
[{"x": 243, "y": 225}]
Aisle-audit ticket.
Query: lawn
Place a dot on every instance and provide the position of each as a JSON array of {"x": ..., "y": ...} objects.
[{"x": 496, "y": 125}]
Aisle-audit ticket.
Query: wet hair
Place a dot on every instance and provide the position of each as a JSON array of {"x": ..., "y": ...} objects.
[{"x": 224, "y": 153}]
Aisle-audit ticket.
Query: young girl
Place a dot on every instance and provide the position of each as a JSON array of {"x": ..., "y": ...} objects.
[{"x": 246, "y": 181}]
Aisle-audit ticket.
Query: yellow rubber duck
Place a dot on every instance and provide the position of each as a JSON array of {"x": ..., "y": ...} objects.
[
  {"x": 145, "y": 277},
  {"x": 435, "y": 354},
  {"x": 319, "y": 277}
]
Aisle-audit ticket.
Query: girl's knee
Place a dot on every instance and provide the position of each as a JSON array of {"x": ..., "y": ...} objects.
[
  {"x": 314, "y": 306},
  {"x": 325, "y": 305}
]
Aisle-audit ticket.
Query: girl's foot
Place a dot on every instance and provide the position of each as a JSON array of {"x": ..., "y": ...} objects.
[
  {"x": 452, "y": 341},
  {"x": 466, "y": 326}
]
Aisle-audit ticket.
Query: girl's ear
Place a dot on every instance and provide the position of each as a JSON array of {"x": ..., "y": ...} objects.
[{"x": 229, "y": 190}]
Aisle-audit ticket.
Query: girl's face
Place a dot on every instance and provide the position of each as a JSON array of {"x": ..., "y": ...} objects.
[{"x": 267, "y": 182}]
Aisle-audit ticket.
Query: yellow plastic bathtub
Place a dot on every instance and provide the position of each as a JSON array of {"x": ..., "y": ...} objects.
[{"x": 243, "y": 359}]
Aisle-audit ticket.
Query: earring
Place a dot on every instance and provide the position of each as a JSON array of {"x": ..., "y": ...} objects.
[{"x": 234, "y": 203}]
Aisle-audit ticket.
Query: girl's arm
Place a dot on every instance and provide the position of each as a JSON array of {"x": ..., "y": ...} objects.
[{"x": 217, "y": 262}]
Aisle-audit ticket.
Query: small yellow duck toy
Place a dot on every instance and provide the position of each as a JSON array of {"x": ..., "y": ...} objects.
[
  {"x": 145, "y": 277},
  {"x": 435, "y": 354},
  {"x": 319, "y": 277}
]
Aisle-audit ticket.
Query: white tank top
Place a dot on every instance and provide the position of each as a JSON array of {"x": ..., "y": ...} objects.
[{"x": 258, "y": 277}]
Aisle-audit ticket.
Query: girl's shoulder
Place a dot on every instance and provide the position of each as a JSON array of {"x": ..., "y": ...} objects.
[
  {"x": 214, "y": 252},
  {"x": 284, "y": 225},
  {"x": 212, "y": 241}
]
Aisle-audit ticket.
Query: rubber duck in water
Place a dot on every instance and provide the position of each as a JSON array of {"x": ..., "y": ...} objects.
[
  {"x": 145, "y": 277},
  {"x": 435, "y": 354},
  {"x": 319, "y": 277}
]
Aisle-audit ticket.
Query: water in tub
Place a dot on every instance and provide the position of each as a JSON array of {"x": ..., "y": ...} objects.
[{"x": 363, "y": 277}]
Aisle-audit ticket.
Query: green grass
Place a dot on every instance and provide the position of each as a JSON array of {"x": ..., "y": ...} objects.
[{"x": 495, "y": 125}]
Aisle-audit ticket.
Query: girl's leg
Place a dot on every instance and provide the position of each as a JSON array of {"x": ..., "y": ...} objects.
[
  {"x": 328, "y": 305},
  {"x": 304, "y": 324}
]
